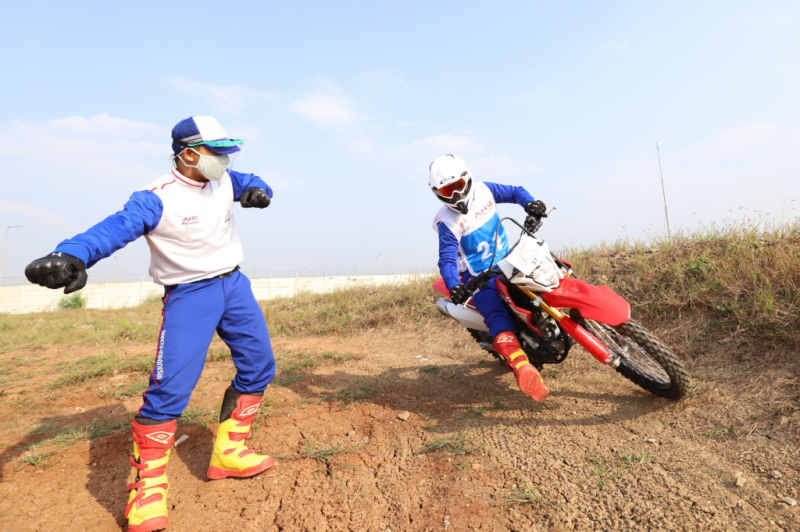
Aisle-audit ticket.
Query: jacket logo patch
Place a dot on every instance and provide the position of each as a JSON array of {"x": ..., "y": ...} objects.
[
  {"x": 161, "y": 436},
  {"x": 190, "y": 220}
]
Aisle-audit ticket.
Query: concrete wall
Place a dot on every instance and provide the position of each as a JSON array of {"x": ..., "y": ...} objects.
[{"x": 32, "y": 298}]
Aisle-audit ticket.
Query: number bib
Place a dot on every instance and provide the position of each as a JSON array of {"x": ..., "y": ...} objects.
[
  {"x": 478, "y": 248},
  {"x": 474, "y": 232}
]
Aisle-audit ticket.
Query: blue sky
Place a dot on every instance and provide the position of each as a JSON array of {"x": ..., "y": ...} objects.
[{"x": 343, "y": 105}]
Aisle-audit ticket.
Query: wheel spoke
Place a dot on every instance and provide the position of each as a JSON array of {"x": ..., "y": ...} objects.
[{"x": 629, "y": 350}]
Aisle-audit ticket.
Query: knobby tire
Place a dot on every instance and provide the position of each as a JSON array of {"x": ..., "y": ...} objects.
[{"x": 644, "y": 360}]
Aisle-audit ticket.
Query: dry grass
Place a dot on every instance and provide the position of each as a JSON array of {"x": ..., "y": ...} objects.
[
  {"x": 352, "y": 311},
  {"x": 79, "y": 327},
  {"x": 743, "y": 284}
]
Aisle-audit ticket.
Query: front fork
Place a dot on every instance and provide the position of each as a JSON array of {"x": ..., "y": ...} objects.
[{"x": 581, "y": 335}]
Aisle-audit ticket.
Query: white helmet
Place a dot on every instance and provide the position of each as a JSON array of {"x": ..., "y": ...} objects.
[{"x": 451, "y": 181}]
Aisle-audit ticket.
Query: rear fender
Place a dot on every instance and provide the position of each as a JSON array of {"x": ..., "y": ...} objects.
[
  {"x": 440, "y": 287},
  {"x": 598, "y": 303}
]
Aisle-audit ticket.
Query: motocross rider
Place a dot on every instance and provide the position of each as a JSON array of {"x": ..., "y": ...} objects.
[
  {"x": 466, "y": 225},
  {"x": 186, "y": 216}
]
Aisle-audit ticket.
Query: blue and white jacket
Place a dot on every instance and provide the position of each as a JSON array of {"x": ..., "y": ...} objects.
[
  {"x": 465, "y": 240},
  {"x": 188, "y": 225}
]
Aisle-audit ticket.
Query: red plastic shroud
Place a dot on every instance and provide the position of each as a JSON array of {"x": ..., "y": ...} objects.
[
  {"x": 598, "y": 303},
  {"x": 594, "y": 346}
]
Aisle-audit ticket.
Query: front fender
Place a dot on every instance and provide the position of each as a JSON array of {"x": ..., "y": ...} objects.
[{"x": 598, "y": 303}]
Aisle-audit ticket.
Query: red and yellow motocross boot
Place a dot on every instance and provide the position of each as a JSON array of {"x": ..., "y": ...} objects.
[
  {"x": 147, "y": 503},
  {"x": 231, "y": 457},
  {"x": 528, "y": 378}
]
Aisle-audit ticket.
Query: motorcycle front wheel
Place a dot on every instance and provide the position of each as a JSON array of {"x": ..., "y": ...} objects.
[{"x": 644, "y": 359}]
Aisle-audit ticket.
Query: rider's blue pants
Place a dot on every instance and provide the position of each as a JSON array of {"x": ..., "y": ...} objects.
[
  {"x": 494, "y": 311},
  {"x": 191, "y": 314}
]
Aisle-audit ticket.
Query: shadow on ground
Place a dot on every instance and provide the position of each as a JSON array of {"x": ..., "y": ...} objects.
[
  {"x": 107, "y": 429},
  {"x": 451, "y": 393}
]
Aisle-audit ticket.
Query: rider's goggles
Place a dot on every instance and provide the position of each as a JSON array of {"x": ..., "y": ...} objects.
[{"x": 451, "y": 189}]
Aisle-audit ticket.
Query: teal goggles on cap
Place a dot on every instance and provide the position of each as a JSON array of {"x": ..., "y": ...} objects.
[{"x": 221, "y": 143}]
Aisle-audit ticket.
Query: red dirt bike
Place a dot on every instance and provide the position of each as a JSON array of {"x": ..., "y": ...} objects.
[{"x": 552, "y": 310}]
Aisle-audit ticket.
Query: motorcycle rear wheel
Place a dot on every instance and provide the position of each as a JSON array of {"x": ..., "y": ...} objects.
[{"x": 644, "y": 359}]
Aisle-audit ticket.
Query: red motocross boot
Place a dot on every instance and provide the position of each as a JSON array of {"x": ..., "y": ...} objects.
[
  {"x": 528, "y": 378},
  {"x": 230, "y": 456},
  {"x": 147, "y": 503}
]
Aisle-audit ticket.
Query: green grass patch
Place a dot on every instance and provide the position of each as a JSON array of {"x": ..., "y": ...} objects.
[
  {"x": 194, "y": 415},
  {"x": 74, "y": 301},
  {"x": 476, "y": 411},
  {"x": 294, "y": 366},
  {"x": 129, "y": 389},
  {"x": 324, "y": 454},
  {"x": 32, "y": 458},
  {"x": 453, "y": 445},
  {"x": 721, "y": 433},
  {"x": 527, "y": 495},
  {"x": 338, "y": 358},
  {"x": 89, "y": 368},
  {"x": 606, "y": 470},
  {"x": 87, "y": 327},
  {"x": 350, "y": 394},
  {"x": 63, "y": 437}
]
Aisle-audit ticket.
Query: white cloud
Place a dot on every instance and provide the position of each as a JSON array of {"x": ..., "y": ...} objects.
[
  {"x": 458, "y": 144},
  {"x": 326, "y": 108},
  {"x": 31, "y": 211},
  {"x": 413, "y": 157},
  {"x": 502, "y": 166},
  {"x": 364, "y": 146},
  {"x": 234, "y": 99},
  {"x": 87, "y": 149},
  {"x": 106, "y": 125}
]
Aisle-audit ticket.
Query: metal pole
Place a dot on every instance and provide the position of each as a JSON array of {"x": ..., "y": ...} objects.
[
  {"x": 663, "y": 191},
  {"x": 3, "y": 252}
]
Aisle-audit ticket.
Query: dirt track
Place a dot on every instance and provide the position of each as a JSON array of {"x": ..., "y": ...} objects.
[{"x": 597, "y": 454}]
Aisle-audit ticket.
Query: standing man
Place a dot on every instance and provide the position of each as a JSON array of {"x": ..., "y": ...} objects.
[{"x": 186, "y": 216}]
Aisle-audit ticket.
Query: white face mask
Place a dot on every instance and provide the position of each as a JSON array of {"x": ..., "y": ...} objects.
[{"x": 211, "y": 166}]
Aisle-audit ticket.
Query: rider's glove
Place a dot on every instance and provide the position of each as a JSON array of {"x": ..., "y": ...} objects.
[
  {"x": 536, "y": 211},
  {"x": 536, "y": 208},
  {"x": 459, "y": 294},
  {"x": 254, "y": 197},
  {"x": 56, "y": 270}
]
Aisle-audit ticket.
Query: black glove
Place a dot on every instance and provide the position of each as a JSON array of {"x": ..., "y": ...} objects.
[
  {"x": 536, "y": 211},
  {"x": 56, "y": 270},
  {"x": 254, "y": 197},
  {"x": 459, "y": 294},
  {"x": 536, "y": 208}
]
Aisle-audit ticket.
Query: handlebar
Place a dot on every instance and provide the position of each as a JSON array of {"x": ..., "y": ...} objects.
[{"x": 480, "y": 280}]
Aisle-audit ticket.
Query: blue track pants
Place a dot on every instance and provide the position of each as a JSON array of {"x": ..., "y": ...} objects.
[
  {"x": 191, "y": 314},
  {"x": 491, "y": 307}
]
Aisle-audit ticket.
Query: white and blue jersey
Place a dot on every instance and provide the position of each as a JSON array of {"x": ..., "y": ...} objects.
[
  {"x": 470, "y": 242},
  {"x": 188, "y": 225}
]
